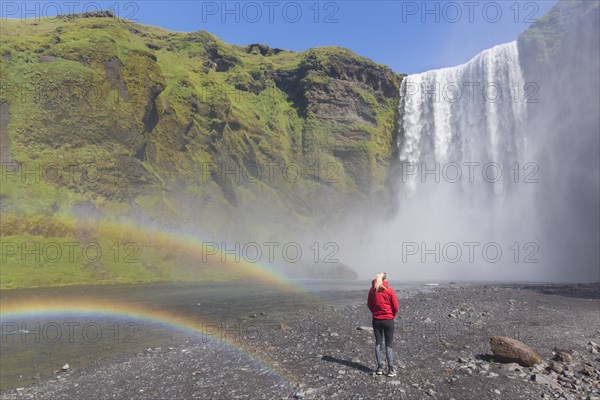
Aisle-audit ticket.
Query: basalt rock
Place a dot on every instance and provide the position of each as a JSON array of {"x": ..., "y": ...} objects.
[{"x": 506, "y": 349}]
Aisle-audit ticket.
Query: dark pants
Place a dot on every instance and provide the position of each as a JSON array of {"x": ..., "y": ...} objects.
[{"x": 384, "y": 328}]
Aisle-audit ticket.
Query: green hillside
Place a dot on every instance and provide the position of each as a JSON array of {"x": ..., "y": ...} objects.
[{"x": 110, "y": 119}]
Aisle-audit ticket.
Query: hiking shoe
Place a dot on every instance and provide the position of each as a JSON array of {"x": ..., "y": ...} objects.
[
  {"x": 391, "y": 373},
  {"x": 379, "y": 371}
]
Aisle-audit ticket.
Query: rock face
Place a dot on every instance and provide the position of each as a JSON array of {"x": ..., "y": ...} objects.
[
  {"x": 506, "y": 349},
  {"x": 186, "y": 132},
  {"x": 183, "y": 110}
]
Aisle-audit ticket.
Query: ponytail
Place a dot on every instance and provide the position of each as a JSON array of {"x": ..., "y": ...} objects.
[{"x": 379, "y": 278}]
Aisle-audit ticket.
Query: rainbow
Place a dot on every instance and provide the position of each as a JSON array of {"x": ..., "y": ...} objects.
[
  {"x": 13, "y": 310},
  {"x": 187, "y": 243}
]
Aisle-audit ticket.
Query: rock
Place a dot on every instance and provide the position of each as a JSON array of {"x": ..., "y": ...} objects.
[
  {"x": 511, "y": 367},
  {"x": 563, "y": 356},
  {"x": 588, "y": 370},
  {"x": 538, "y": 368},
  {"x": 542, "y": 379},
  {"x": 298, "y": 395},
  {"x": 564, "y": 378},
  {"x": 497, "y": 391},
  {"x": 506, "y": 349},
  {"x": 431, "y": 392},
  {"x": 66, "y": 367},
  {"x": 556, "y": 367}
]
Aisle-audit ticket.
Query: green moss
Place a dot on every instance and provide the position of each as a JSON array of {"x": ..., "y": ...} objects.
[{"x": 101, "y": 93}]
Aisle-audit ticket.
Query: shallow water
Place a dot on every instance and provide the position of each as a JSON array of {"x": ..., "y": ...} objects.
[{"x": 36, "y": 346}]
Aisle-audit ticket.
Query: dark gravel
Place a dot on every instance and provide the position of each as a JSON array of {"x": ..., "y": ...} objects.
[{"x": 442, "y": 352}]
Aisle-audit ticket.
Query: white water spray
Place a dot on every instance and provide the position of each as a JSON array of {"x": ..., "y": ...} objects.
[{"x": 467, "y": 178}]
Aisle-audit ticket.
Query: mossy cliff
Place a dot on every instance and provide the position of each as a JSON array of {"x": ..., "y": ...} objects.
[
  {"x": 166, "y": 117},
  {"x": 110, "y": 119}
]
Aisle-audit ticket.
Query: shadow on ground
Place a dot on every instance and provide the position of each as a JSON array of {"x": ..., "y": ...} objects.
[{"x": 347, "y": 363}]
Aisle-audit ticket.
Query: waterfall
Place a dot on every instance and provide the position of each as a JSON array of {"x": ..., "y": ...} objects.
[
  {"x": 467, "y": 173},
  {"x": 474, "y": 112}
]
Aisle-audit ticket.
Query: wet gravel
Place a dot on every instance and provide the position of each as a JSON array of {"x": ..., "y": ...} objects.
[{"x": 441, "y": 344}]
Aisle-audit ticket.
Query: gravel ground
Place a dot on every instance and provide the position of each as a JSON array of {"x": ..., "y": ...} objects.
[{"x": 441, "y": 344}]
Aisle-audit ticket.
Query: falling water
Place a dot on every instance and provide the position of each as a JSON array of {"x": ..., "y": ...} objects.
[
  {"x": 476, "y": 170},
  {"x": 467, "y": 173},
  {"x": 474, "y": 112}
]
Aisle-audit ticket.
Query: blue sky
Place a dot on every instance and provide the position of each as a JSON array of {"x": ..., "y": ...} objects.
[{"x": 409, "y": 36}]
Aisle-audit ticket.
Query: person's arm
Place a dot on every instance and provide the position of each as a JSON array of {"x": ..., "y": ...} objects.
[
  {"x": 394, "y": 303},
  {"x": 371, "y": 299}
]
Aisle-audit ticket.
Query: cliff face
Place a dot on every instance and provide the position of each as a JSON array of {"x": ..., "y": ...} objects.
[{"x": 185, "y": 128}]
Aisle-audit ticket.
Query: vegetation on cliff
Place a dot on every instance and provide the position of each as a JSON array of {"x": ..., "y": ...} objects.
[{"x": 107, "y": 118}]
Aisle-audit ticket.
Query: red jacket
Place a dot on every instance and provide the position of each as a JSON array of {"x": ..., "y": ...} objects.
[{"x": 383, "y": 304}]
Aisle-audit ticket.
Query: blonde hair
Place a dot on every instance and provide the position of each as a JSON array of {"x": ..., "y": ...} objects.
[{"x": 379, "y": 278}]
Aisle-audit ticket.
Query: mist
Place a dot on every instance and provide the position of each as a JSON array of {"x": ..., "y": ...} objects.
[
  {"x": 496, "y": 178},
  {"x": 543, "y": 214}
]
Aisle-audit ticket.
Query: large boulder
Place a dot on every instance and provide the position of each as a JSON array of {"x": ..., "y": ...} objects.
[{"x": 506, "y": 349}]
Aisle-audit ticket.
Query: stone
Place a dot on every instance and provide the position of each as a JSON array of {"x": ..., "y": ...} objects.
[
  {"x": 506, "y": 349},
  {"x": 556, "y": 367},
  {"x": 542, "y": 379},
  {"x": 563, "y": 356},
  {"x": 588, "y": 370},
  {"x": 66, "y": 367},
  {"x": 538, "y": 368},
  {"x": 511, "y": 367}
]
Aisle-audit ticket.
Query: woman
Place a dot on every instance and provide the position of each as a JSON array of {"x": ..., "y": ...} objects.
[{"x": 383, "y": 303}]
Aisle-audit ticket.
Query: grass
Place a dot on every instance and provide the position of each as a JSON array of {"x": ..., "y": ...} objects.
[{"x": 104, "y": 94}]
